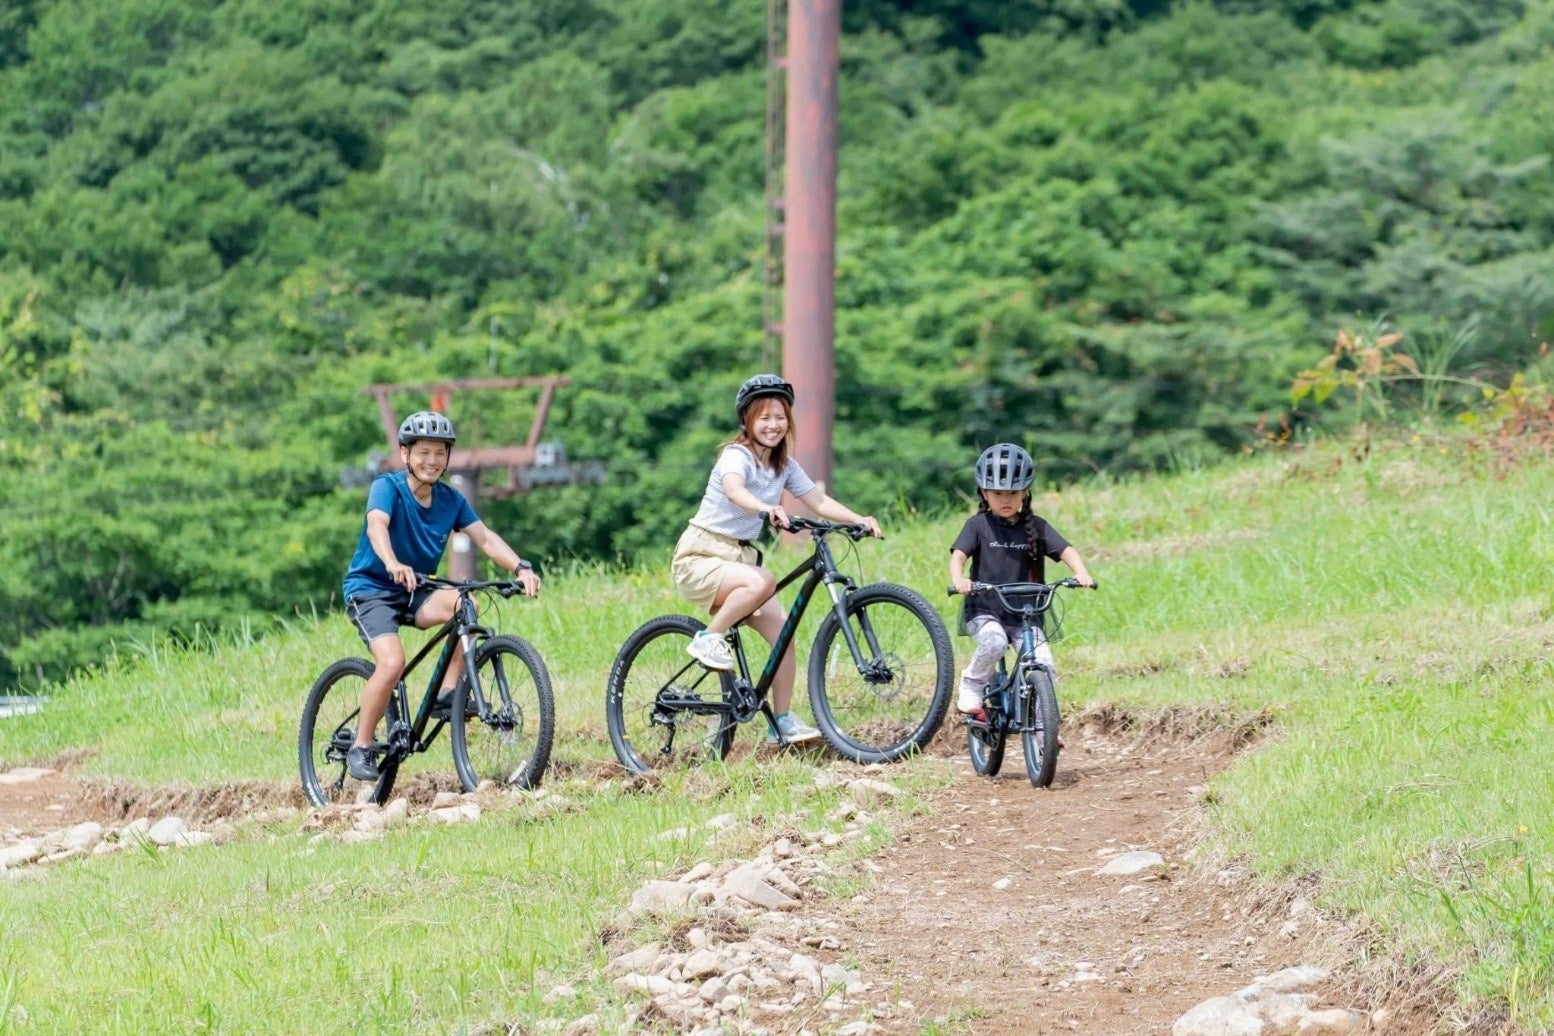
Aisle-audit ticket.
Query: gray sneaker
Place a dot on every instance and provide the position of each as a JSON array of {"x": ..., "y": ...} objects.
[
  {"x": 711, "y": 650},
  {"x": 794, "y": 730}
]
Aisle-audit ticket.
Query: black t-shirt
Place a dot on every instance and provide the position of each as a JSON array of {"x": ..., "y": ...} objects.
[{"x": 1000, "y": 553}]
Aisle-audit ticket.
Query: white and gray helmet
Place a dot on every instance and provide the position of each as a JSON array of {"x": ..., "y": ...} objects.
[
  {"x": 426, "y": 424},
  {"x": 1005, "y": 466}
]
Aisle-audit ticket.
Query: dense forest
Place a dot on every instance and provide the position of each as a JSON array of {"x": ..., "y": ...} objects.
[{"x": 1111, "y": 229}]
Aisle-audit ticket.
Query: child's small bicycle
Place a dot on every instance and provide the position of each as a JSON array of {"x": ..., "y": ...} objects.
[
  {"x": 501, "y": 713},
  {"x": 1024, "y": 701},
  {"x": 880, "y": 673}
]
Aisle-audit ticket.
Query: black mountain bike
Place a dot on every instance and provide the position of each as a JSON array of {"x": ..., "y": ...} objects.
[
  {"x": 880, "y": 673},
  {"x": 501, "y": 713},
  {"x": 1024, "y": 701}
]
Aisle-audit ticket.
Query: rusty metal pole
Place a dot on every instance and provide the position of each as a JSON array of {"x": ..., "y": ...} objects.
[{"x": 809, "y": 255}]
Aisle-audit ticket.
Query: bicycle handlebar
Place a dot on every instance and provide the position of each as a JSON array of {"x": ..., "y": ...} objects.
[
  {"x": 505, "y": 587},
  {"x": 820, "y": 527},
  {"x": 1025, "y": 589}
]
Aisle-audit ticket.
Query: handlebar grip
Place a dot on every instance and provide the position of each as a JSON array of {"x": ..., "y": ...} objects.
[{"x": 950, "y": 591}]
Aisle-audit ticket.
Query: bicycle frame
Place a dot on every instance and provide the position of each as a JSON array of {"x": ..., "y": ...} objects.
[
  {"x": 818, "y": 569},
  {"x": 462, "y": 632}
]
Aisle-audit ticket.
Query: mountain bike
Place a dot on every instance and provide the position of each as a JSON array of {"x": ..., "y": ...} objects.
[
  {"x": 501, "y": 713},
  {"x": 880, "y": 673},
  {"x": 1024, "y": 701}
]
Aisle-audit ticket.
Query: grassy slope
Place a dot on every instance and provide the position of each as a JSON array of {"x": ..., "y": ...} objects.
[{"x": 1393, "y": 611}]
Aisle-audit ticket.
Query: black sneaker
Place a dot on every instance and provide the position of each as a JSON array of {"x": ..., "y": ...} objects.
[
  {"x": 442, "y": 708},
  {"x": 360, "y": 763}
]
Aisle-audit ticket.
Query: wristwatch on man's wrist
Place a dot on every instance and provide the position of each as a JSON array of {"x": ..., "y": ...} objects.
[{"x": 523, "y": 566}]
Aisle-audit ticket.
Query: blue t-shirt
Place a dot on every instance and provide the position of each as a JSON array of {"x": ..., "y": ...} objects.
[{"x": 418, "y": 534}]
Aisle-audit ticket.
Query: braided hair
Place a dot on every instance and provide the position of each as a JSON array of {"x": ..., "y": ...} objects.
[{"x": 1028, "y": 517}]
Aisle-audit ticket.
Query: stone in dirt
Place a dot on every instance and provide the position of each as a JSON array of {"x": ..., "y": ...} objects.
[
  {"x": 1291, "y": 980},
  {"x": 445, "y": 799},
  {"x": 702, "y": 963},
  {"x": 137, "y": 828},
  {"x": 866, "y": 791},
  {"x": 21, "y": 853},
  {"x": 587, "y": 1025},
  {"x": 396, "y": 811},
  {"x": 1003, "y": 883},
  {"x": 752, "y": 888},
  {"x": 644, "y": 958},
  {"x": 167, "y": 831},
  {"x": 84, "y": 836},
  {"x": 697, "y": 873},
  {"x": 1132, "y": 863},
  {"x": 561, "y": 992},
  {"x": 659, "y": 896},
  {"x": 1334, "y": 1022},
  {"x": 1283, "y": 1011},
  {"x": 1221, "y": 1016},
  {"x": 721, "y": 821}
]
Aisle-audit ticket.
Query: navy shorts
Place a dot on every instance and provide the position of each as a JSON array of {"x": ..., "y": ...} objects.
[{"x": 378, "y": 615}]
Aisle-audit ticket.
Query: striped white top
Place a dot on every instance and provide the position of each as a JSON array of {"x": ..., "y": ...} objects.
[{"x": 718, "y": 514}]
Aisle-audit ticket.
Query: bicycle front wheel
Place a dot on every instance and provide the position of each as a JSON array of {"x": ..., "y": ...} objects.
[
  {"x": 892, "y": 703},
  {"x": 1041, "y": 728},
  {"x": 654, "y": 690},
  {"x": 504, "y": 734},
  {"x": 328, "y": 730}
]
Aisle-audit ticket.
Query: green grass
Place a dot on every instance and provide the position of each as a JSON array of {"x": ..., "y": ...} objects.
[{"x": 1393, "y": 611}]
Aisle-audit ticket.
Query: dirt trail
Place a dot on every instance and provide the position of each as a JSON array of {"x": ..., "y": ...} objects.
[{"x": 1062, "y": 949}]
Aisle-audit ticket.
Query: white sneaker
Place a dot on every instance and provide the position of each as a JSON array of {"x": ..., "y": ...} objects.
[
  {"x": 711, "y": 650},
  {"x": 794, "y": 730},
  {"x": 969, "y": 699}
]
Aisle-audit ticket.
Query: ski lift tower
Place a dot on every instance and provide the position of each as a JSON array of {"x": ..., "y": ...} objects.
[{"x": 532, "y": 464}]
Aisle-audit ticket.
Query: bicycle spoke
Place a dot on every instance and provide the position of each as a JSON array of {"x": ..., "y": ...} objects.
[
  {"x": 504, "y": 735},
  {"x": 652, "y": 682},
  {"x": 892, "y": 697}
]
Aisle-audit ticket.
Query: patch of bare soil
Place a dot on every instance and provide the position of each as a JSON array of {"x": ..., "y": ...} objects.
[
  {"x": 989, "y": 915},
  {"x": 57, "y": 800}
]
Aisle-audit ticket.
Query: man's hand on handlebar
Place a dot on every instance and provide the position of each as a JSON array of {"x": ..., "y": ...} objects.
[{"x": 529, "y": 580}]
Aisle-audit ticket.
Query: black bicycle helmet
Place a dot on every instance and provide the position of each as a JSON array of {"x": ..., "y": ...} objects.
[
  {"x": 426, "y": 424},
  {"x": 760, "y": 387},
  {"x": 1005, "y": 466}
]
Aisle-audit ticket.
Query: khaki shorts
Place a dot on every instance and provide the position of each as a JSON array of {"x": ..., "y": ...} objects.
[{"x": 701, "y": 559}]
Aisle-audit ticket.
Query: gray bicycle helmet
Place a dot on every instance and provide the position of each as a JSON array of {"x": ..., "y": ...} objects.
[
  {"x": 1005, "y": 466},
  {"x": 426, "y": 424},
  {"x": 759, "y": 387}
]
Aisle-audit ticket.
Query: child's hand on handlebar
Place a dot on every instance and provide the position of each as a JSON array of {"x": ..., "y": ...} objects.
[{"x": 963, "y": 585}]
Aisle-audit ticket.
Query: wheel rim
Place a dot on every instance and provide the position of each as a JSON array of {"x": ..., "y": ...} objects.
[
  {"x": 334, "y": 731},
  {"x": 885, "y": 706},
  {"x": 502, "y": 740},
  {"x": 658, "y": 738}
]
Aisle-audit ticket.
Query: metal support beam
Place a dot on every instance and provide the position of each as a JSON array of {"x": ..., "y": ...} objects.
[{"x": 809, "y": 255}]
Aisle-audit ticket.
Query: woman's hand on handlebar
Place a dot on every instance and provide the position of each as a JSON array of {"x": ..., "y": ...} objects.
[
  {"x": 871, "y": 526},
  {"x": 777, "y": 517}
]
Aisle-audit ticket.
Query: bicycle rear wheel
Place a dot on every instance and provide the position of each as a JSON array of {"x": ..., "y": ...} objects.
[
  {"x": 895, "y": 704},
  {"x": 651, "y": 670},
  {"x": 508, "y": 739},
  {"x": 1041, "y": 728},
  {"x": 329, "y": 728}
]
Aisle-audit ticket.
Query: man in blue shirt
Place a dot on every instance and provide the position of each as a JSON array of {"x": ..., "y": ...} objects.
[{"x": 410, "y": 515}]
